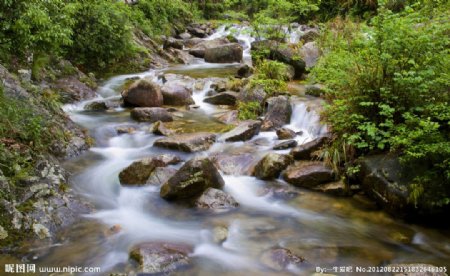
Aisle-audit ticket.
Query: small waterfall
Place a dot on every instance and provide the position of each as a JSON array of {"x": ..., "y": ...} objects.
[{"x": 306, "y": 120}]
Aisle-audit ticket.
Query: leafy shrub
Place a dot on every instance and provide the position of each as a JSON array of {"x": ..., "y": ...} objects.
[
  {"x": 249, "y": 110},
  {"x": 388, "y": 85},
  {"x": 271, "y": 75}
]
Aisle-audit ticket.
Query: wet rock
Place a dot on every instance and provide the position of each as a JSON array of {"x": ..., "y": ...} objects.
[
  {"x": 285, "y": 145},
  {"x": 125, "y": 129},
  {"x": 220, "y": 234},
  {"x": 188, "y": 142},
  {"x": 244, "y": 71},
  {"x": 303, "y": 152},
  {"x": 280, "y": 259},
  {"x": 173, "y": 43},
  {"x": 417, "y": 269},
  {"x": 271, "y": 165},
  {"x": 139, "y": 171},
  {"x": 216, "y": 200},
  {"x": 143, "y": 93},
  {"x": 285, "y": 133},
  {"x": 180, "y": 56},
  {"x": 252, "y": 94},
  {"x": 151, "y": 114},
  {"x": 224, "y": 98},
  {"x": 280, "y": 52},
  {"x": 192, "y": 179},
  {"x": 278, "y": 112},
  {"x": 309, "y": 35},
  {"x": 160, "y": 175},
  {"x": 96, "y": 106},
  {"x": 197, "y": 32},
  {"x": 337, "y": 188},
  {"x": 310, "y": 53},
  {"x": 243, "y": 132},
  {"x": 72, "y": 89},
  {"x": 308, "y": 174},
  {"x": 199, "y": 49},
  {"x": 159, "y": 257},
  {"x": 192, "y": 42},
  {"x": 235, "y": 164},
  {"x": 229, "y": 117},
  {"x": 176, "y": 94},
  {"x": 185, "y": 36},
  {"x": 227, "y": 53},
  {"x": 159, "y": 128}
]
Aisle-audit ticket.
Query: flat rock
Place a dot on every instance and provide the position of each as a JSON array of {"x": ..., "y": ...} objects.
[
  {"x": 151, "y": 114},
  {"x": 308, "y": 174},
  {"x": 160, "y": 175},
  {"x": 188, "y": 142},
  {"x": 159, "y": 128},
  {"x": 285, "y": 145},
  {"x": 243, "y": 132},
  {"x": 223, "y": 98},
  {"x": 280, "y": 259},
  {"x": 337, "y": 188}
]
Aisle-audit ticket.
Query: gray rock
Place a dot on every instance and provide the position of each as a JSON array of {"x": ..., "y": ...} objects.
[
  {"x": 139, "y": 171},
  {"x": 224, "y": 98},
  {"x": 188, "y": 142},
  {"x": 252, "y": 94},
  {"x": 337, "y": 188},
  {"x": 143, "y": 93},
  {"x": 278, "y": 112},
  {"x": 200, "y": 48},
  {"x": 308, "y": 174},
  {"x": 216, "y": 200},
  {"x": 285, "y": 133},
  {"x": 285, "y": 145},
  {"x": 151, "y": 114},
  {"x": 272, "y": 165},
  {"x": 310, "y": 53},
  {"x": 173, "y": 43},
  {"x": 185, "y": 36},
  {"x": 160, "y": 257},
  {"x": 243, "y": 132},
  {"x": 159, "y": 128},
  {"x": 229, "y": 117},
  {"x": 303, "y": 152},
  {"x": 197, "y": 32},
  {"x": 176, "y": 94},
  {"x": 160, "y": 175},
  {"x": 309, "y": 35},
  {"x": 244, "y": 71},
  {"x": 191, "y": 180},
  {"x": 227, "y": 53},
  {"x": 96, "y": 106},
  {"x": 235, "y": 164}
]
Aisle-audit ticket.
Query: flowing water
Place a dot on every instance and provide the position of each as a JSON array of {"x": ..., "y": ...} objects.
[{"x": 327, "y": 231}]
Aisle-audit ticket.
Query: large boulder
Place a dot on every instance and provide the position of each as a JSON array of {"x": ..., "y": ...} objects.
[
  {"x": 139, "y": 171},
  {"x": 243, "y": 132},
  {"x": 143, "y": 93},
  {"x": 216, "y": 200},
  {"x": 304, "y": 152},
  {"x": 176, "y": 94},
  {"x": 277, "y": 112},
  {"x": 173, "y": 43},
  {"x": 310, "y": 54},
  {"x": 308, "y": 174},
  {"x": 192, "y": 179},
  {"x": 223, "y": 98},
  {"x": 271, "y": 165},
  {"x": 200, "y": 48},
  {"x": 161, "y": 258},
  {"x": 151, "y": 114},
  {"x": 187, "y": 142},
  {"x": 232, "y": 52},
  {"x": 280, "y": 52}
]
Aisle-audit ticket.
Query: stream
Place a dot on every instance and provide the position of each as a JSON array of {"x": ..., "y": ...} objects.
[{"x": 327, "y": 231}]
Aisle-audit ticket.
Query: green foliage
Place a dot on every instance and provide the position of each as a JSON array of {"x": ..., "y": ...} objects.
[
  {"x": 103, "y": 34},
  {"x": 272, "y": 76},
  {"x": 249, "y": 110},
  {"x": 388, "y": 85}
]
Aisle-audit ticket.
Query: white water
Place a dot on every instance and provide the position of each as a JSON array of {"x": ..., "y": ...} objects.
[{"x": 143, "y": 216}]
